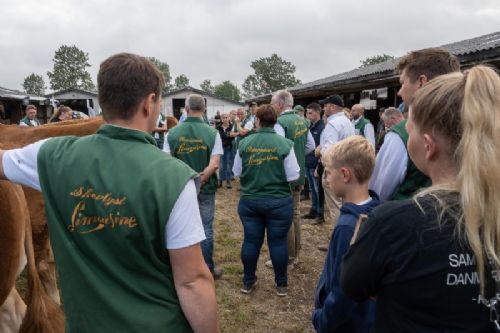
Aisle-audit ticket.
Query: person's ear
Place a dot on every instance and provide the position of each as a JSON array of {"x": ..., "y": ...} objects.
[
  {"x": 422, "y": 79},
  {"x": 346, "y": 174},
  {"x": 148, "y": 104},
  {"x": 431, "y": 146}
]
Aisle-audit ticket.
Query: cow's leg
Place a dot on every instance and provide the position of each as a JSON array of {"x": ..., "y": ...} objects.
[
  {"x": 43, "y": 253},
  {"x": 12, "y": 231},
  {"x": 12, "y": 313}
]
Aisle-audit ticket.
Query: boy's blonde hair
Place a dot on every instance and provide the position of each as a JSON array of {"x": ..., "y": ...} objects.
[{"x": 355, "y": 153}]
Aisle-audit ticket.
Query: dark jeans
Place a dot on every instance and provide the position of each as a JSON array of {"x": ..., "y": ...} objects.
[
  {"x": 206, "y": 201},
  {"x": 257, "y": 215},
  {"x": 313, "y": 188},
  {"x": 226, "y": 164}
]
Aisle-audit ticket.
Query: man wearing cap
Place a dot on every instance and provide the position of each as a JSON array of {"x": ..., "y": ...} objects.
[
  {"x": 293, "y": 127},
  {"x": 337, "y": 128},
  {"x": 362, "y": 126}
]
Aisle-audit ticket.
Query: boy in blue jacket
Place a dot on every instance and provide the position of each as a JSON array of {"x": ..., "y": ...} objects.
[{"x": 348, "y": 166}]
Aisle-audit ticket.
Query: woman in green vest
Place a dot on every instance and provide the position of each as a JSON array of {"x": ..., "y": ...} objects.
[{"x": 266, "y": 164}]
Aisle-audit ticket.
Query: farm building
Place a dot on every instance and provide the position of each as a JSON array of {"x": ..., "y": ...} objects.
[{"x": 174, "y": 102}]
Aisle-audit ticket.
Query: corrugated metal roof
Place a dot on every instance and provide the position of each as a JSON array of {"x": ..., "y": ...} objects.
[
  {"x": 16, "y": 94},
  {"x": 468, "y": 46}
]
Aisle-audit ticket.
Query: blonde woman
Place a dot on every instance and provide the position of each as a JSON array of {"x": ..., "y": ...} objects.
[
  {"x": 62, "y": 113},
  {"x": 431, "y": 261}
]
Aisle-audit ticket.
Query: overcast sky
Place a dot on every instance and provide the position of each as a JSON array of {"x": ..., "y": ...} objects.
[{"x": 218, "y": 39}]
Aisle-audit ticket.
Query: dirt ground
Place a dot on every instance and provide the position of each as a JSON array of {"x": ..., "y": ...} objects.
[{"x": 262, "y": 311}]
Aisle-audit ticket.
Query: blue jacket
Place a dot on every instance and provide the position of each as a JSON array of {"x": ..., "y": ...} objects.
[
  {"x": 334, "y": 311},
  {"x": 315, "y": 129}
]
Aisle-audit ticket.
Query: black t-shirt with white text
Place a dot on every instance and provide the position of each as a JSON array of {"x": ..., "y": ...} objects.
[{"x": 423, "y": 277}]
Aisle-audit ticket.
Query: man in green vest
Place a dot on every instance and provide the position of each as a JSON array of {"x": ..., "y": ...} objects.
[
  {"x": 293, "y": 127},
  {"x": 30, "y": 118},
  {"x": 362, "y": 126},
  {"x": 124, "y": 228},
  {"x": 199, "y": 145},
  {"x": 395, "y": 177}
]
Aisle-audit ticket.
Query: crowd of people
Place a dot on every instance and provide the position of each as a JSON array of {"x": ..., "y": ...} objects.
[{"x": 413, "y": 203}]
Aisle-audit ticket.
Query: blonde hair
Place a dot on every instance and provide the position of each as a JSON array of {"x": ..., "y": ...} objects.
[
  {"x": 355, "y": 153},
  {"x": 464, "y": 109}
]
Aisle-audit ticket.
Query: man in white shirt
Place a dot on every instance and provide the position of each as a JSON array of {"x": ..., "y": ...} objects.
[
  {"x": 168, "y": 226},
  {"x": 337, "y": 128},
  {"x": 362, "y": 126}
]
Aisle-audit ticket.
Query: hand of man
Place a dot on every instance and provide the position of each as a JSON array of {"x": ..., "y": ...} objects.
[{"x": 317, "y": 151}]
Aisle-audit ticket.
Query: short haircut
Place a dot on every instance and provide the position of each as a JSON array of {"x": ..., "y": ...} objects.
[
  {"x": 195, "y": 102},
  {"x": 355, "y": 153},
  {"x": 314, "y": 106},
  {"x": 30, "y": 107},
  {"x": 392, "y": 112},
  {"x": 430, "y": 62},
  {"x": 284, "y": 96},
  {"x": 267, "y": 115},
  {"x": 123, "y": 81}
]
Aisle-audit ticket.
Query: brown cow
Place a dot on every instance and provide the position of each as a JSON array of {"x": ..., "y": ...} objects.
[{"x": 21, "y": 211}]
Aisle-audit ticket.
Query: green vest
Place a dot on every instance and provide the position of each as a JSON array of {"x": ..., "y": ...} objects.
[
  {"x": 192, "y": 142},
  {"x": 414, "y": 179},
  {"x": 27, "y": 121},
  {"x": 296, "y": 129},
  {"x": 360, "y": 126},
  {"x": 107, "y": 198},
  {"x": 262, "y": 155}
]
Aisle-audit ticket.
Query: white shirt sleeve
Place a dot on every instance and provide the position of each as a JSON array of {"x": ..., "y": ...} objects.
[
  {"x": 237, "y": 165},
  {"x": 370, "y": 134},
  {"x": 184, "y": 227},
  {"x": 166, "y": 146},
  {"x": 390, "y": 166},
  {"x": 22, "y": 124},
  {"x": 250, "y": 124},
  {"x": 329, "y": 137},
  {"x": 292, "y": 169},
  {"x": 279, "y": 130},
  {"x": 218, "y": 150},
  {"x": 21, "y": 165},
  {"x": 310, "y": 145}
]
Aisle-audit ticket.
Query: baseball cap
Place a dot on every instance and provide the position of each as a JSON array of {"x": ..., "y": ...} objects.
[
  {"x": 334, "y": 99},
  {"x": 298, "y": 107}
]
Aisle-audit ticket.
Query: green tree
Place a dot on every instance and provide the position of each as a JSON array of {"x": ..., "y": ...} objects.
[
  {"x": 270, "y": 74},
  {"x": 165, "y": 69},
  {"x": 181, "y": 81},
  {"x": 375, "y": 60},
  {"x": 228, "y": 90},
  {"x": 207, "y": 86},
  {"x": 69, "y": 70},
  {"x": 34, "y": 85}
]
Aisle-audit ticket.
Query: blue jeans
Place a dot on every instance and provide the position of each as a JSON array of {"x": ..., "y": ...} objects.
[
  {"x": 226, "y": 164},
  {"x": 257, "y": 215},
  {"x": 206, "y": 201},
  {"x": 313, "y": 188}
]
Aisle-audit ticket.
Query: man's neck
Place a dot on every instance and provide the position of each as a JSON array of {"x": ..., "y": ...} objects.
[
  {"x": 194, "y": 114},
  {"x": 357, "y": 193}
]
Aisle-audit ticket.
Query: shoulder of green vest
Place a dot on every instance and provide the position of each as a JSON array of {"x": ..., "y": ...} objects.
[{"x": 400, "y": 130}]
